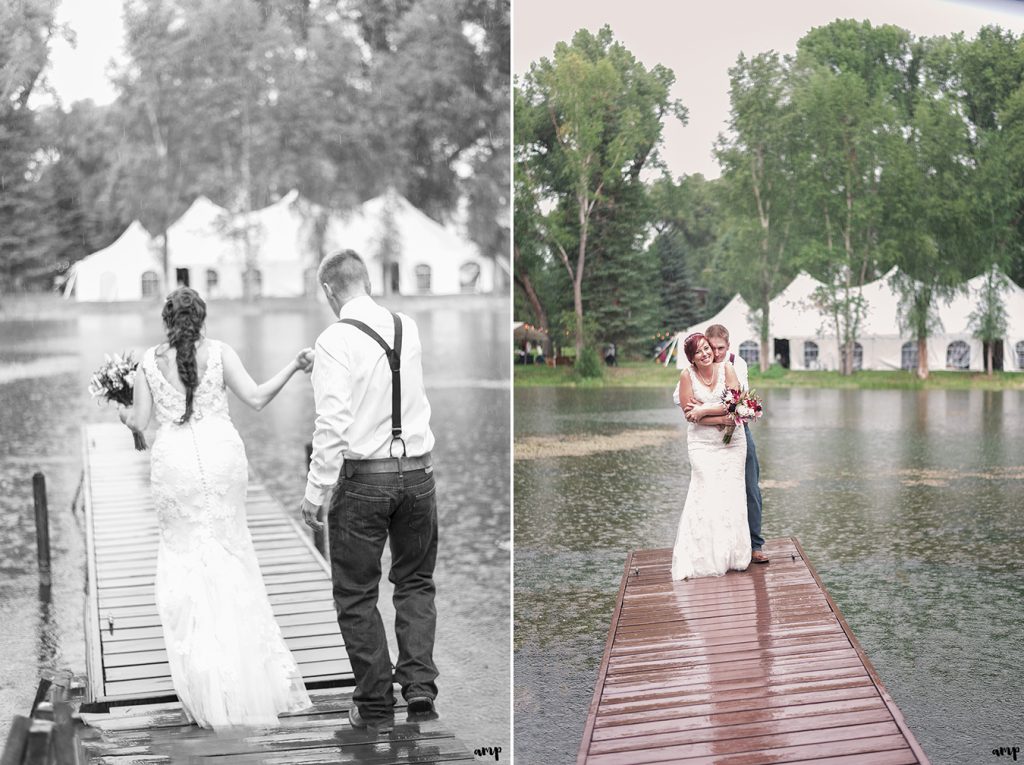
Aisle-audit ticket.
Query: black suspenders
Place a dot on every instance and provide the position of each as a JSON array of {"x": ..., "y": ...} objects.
[{"x": 394, "y": 357}]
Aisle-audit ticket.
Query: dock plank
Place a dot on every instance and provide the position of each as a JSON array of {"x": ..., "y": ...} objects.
[
  {"x": 752, "y": 667},
  {"x": 320, "y": 734},
  {"x": 126, "y": 657}
]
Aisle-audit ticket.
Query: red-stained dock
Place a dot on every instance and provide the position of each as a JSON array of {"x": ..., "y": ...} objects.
[{"x": 752, "y": 667}]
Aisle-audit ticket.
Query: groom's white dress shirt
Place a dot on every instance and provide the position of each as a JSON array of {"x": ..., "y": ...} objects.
[
  {"x": 739, "y": 364},
  {"x": 352, "y": 389}
]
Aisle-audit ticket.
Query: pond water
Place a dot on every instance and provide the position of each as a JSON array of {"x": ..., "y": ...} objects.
[
  {"x": 907, "y": 503},
  {"x": 45, "y": 365}
]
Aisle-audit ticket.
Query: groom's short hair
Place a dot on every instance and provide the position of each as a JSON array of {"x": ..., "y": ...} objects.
[
  {"x": 717, "y": 330},
  {"x": 343, "y": 270}
]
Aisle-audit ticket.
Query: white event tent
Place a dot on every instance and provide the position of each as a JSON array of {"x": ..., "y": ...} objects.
[
  {"x": 800, "y": 329},
  {"x": 128, "y": 269},
  {"x": 955, "y": 318},
  {"x": 286, "y": 246},
  {"x": 735, "y": 317},
  {"x": 207, "y": 246},
  {"x": 425, "y": 258},
  {"x": 201, "y": 252}
]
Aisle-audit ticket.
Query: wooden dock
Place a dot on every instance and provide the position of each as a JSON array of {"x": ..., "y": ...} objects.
[
  {"x": 753, "y": 667},
  {"x": 125, "y": 654},
  {"x": 319, "y": 736},
  {"x": 129, "y": 713}
]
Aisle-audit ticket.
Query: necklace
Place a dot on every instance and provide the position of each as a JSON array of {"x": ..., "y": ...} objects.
[{"x": 707, "y": 383}]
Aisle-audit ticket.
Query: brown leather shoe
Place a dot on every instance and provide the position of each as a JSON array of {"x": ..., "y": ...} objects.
[{"x": 756, "y": 556}]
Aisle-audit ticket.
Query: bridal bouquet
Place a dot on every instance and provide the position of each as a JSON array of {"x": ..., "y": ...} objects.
[
  {"x": 742, "y": 407},
  {"x": 115, "y": 381}
]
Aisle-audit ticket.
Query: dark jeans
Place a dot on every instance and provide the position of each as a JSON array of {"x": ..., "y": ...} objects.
[
  {"x": 752, "y": 474},
  {"x": 365, "y": 511}
]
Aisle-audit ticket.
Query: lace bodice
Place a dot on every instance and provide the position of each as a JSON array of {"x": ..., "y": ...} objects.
[
  {"x": 208, "y": 400},
  {"x": 707, "y": 394}
]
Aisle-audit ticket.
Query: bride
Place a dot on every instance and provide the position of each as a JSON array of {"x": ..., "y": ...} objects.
[
  {"x": 228, "y": 661},
  {"x": 713, "y": 535}
]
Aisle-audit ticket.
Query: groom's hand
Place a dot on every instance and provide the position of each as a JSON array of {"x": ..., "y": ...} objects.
[{"x": 310, "y": 514}]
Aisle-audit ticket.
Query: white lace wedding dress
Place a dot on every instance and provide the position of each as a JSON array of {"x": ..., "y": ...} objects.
[
  {"x": 713, "y": 536},
  {"x": 228, "y": 661}
]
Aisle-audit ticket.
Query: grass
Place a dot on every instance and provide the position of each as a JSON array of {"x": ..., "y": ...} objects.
[{"x": 647, "y": 374}]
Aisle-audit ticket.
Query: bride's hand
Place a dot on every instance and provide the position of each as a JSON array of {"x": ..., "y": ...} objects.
[
  {"x": 304, "y": 360},
  {"x": 124, "y": 413}
]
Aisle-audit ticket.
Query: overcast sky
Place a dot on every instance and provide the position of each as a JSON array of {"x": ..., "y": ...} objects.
[
  {"x": 81, "y": 72},
  {"x": 699, "y": 40}
]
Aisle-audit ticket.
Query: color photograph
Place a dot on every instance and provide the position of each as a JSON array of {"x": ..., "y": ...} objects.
[{"x": 768, "y": 381}]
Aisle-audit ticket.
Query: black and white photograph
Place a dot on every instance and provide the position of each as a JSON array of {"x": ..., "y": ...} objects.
[{"x": 255, "y": 381}]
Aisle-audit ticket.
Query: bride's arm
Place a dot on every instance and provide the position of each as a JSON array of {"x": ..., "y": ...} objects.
[
  {"x": 713, "y": 412},
  {"x": 714, "y": 418},
  {"x": 137, "y": 418},
  {"x": 685, "y": 390},
  {"x": 251, "y": 393}
]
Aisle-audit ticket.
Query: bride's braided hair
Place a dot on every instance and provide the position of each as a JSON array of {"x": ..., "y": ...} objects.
[{"x": 184, "y": 315}]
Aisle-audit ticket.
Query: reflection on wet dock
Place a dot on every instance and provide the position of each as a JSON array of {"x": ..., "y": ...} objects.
[
  {"x": 752, "y": 667},
  {"x": 160, "y": 733}
]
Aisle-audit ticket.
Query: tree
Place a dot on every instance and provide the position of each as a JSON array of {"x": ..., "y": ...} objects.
[
  {"x": 847, "y": 99},
  {"x": 591, "y": 120},
  {"x": 527, "y": 252},
  {"x": 622, "y": 294},
  {"x": 927, "y": 213},
  {"x": 440, "y": 96},
  {"x": 757, "y": 158},
  {"x": 685, "y": 217},
  {"x": 988, "y": 320},
  {"x": 26, "y": 222}
]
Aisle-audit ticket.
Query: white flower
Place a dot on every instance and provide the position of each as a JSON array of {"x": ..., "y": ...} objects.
[
  {"x": 744, "y": 411},
  {"x": 130, "y": 379}
]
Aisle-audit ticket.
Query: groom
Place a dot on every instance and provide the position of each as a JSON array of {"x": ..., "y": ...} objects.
[
  {"x": 718, "y": 337},
  {"x": 372, "y": 444}
]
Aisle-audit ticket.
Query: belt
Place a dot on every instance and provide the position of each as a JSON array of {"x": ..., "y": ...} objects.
[{"x": 387, "y": 465}]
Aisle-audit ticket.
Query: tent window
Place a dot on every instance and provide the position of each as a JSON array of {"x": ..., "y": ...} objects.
[
  {"x": 750, "y": 352},
  {"x": 1019, "y": 348},
  {"x": 810, "y": 354},
  {"x": 958, "y": 355},
  {"x": 212, "y": 278},
  {"x": 908, "y": 356},
  {"x": 469, "y": 277},
  {"x": 150, "y": 284},
  {"x": 423, "y": 278},
  {"x": 858, "y": 356}
]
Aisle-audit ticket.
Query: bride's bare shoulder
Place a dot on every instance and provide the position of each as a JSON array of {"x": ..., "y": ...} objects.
[{"x": 225, "y": 348}]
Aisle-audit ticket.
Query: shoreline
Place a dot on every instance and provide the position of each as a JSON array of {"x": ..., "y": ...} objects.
[{"x": 648, "y": 374}]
